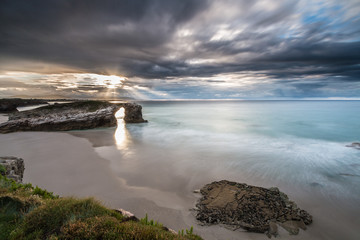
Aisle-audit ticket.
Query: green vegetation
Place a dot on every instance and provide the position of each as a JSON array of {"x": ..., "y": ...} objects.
[
  {"x": 145, "y": 221},
  {"x": 189, "y": 234},
  {"x": 16, "y": 200},
  {"x": 9, "y": 185},
  {"x": 2, "y": 170},
  {"x": 28, "y": 212}
]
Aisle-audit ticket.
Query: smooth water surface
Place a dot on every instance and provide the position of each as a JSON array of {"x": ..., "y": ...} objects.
[
  {"x": 293, "y": 142},
  {"x": 298, "y": 146}
]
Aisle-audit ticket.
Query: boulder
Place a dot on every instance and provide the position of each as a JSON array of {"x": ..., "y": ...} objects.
[
  {"x": 128, "y": 216},
  {"x": 14, "y": 168},
  {"x": 252, "y": 208}
]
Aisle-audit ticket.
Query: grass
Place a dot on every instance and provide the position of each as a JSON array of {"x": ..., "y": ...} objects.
[
  {"x": 28, "y": 212},
  {"x": 151, "y": 222},
  {"x": 2, "y": 170},
  {"x": 48, "y": 219},
  {"x": 10, "y": 185}
]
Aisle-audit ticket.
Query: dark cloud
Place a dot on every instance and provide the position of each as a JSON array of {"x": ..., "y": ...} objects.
[
  {"x": 92, "y": 35},
  {"x": 284, "y": 40}
]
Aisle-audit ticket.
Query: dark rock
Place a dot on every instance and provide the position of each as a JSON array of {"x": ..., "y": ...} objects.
[
  {"x": 14, "y": 167},
  {"x": 133, "y": 113},
  {"x": 293, "y": 226},
  {"x": 252, "y": 208},
  {"x": 7, "y": 107},
  {"x": 71, "y": 116},
  {"x": 349, "y": 175},
  {"x": 10, "y": 104},
  {"x": 315, "y": 184},
  {"x": 128, "y": 216},
  {"x": 355, "y": 145},
  {"x": 273, "y": 229}
]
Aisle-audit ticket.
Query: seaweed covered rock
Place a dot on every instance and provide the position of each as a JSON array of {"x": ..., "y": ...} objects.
[
  {"x": 252, "y": 208},
  {"x": 13, "y": 168}
]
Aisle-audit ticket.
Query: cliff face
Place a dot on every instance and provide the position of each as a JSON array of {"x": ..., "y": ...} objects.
[{"x": 71, "y": 116}]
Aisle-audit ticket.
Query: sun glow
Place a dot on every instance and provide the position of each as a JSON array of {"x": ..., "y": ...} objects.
[
  {"x": 110, "y": 81},
  {"x": 121, "y": 135}
]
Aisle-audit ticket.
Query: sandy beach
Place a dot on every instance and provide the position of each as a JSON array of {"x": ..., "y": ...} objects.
[{"x": 70, "y": 165}]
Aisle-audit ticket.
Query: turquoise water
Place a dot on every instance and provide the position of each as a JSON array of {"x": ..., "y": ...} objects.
[
  {"x": 336, "y": 121},
  {"x": 298, "y": 146},
  {"x": 299, "y": 143}
]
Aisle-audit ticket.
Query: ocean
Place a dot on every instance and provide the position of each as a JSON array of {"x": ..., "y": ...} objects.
[
  {"x": 154, "y": 167},
  {"x": 297, "y": 143}
]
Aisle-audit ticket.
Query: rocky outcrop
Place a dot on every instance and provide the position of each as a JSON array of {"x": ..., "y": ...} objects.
[
  {"x": 355, "y": 145},
  {"x": 63, "y": 117},
  {"x": 133, "y": 113},
  {"x": 11, "y": 104},
  {"x": 128, "y": 216},
  {"x": 14, "y": 168},
  {"x": 71, "y": 116},
  {"x": 255, "y": 209},
  {"x": 7, "y": 107}
]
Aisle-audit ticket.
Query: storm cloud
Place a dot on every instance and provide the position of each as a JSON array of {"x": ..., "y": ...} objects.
[{"x": 224, "y": 48}]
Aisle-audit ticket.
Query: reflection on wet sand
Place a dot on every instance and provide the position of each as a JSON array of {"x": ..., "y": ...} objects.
[
  {"x": 121, "y": 135},
  {"x": 101, "y": 137}
]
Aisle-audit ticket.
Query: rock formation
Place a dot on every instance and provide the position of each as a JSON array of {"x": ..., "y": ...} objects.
[
  {"x": 355, "y": 145},
  {"x": 252, "y": 208},
  {"x": 11, "y": 104},
  {"x": 133, "y": 113},
  {"x": 71, "y": 116},
  {"x": 14, "y": 168}
]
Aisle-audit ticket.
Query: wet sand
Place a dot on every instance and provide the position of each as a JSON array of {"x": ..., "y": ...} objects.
[{"x": 82, "y": 164}]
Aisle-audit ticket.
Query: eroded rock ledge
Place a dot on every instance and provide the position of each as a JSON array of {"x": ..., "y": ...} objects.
[
  {"x": 71, "y": 116},
  {"x": 252, "y": 208},
  {"x": 11, "y": 104}
]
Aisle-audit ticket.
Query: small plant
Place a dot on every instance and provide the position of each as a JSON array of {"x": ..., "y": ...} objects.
[
  {"x": 190, "y": 232},
  {"x": 2, "y": 170},
  {"x": 146, "y": 221}
]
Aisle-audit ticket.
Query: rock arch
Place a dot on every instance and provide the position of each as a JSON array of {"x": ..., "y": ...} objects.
[
  {"x": 133, "y": 112},
  {"x": 72, "y": 116}
]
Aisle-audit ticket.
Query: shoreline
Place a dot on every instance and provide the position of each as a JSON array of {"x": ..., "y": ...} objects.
[{"x": 70, "y": 166}]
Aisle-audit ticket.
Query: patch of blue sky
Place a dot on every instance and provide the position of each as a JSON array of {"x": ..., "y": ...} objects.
[
  {"x": 334, "y": 21},
  {"x": 324, "y": 14}
]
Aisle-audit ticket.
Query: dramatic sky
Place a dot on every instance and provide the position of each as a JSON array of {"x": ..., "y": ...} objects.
[{"x": 180, "y": 49}]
